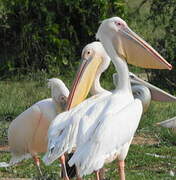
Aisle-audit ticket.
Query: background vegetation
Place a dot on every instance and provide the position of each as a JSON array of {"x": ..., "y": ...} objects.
[
  {"x": 47, "y": 36},
  {"x": 44, "y": 38}
]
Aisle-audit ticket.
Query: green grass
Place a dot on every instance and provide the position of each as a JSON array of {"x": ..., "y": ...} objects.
[{"x": 15, "y": 97}]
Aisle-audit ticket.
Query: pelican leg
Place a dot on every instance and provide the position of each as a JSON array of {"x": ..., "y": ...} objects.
[
  {"x": 121, "y": 166},
  {"x": 79, "y": 178},
  {"x": 97, "y": 175},
  {"x": 37, "y": 163},
  {"x": 77, "y": 175},
  {"x": 102, "y": 174},
  {"x": 64, "y": 171}
]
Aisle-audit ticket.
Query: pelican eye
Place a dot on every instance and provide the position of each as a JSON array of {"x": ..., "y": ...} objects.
[
  {"x": 138, "y": 93},
  {"x": 131, "y": 76},
  {"x": 62, "y": 98},
  {"x": 118, "y": 23},
  {"x": 52, "y": 149}
]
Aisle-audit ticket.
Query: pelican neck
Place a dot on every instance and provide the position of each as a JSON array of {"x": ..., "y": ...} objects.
[
  {"x": 120, "y": 66},
  {"x": 123, "y": 74},
  {"x": 96, "y": 87}
]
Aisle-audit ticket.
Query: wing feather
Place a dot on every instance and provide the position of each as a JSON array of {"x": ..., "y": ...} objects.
[
  {"x": 63, "y": 130},
  {"x": 111, "y": 133}
]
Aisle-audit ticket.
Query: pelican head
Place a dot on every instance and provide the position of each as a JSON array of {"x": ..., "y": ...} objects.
[
  {"x": 59, "y": 91},
  {"x": 94, "y": 60},
  {"x": 58, "y": 88},
  {"x": 143, "y": 93},
  {"x": 96, "y": 52},
  {"x": 128, "y": 45}
]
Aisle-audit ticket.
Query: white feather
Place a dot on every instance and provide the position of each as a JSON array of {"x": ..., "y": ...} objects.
[
  {"x": 63, "y": 130},
  {"x": 92, "y": 155}
]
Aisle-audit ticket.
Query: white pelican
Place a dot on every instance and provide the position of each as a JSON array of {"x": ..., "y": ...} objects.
[
  {"x": 113, "y": 118},
  {"x": 93, "y": 51},
  {"x": 139, "y": 89},
  {"x": 27, "y": 134},
  {"x": 117, "y": 121},
  {"x": 96, "y": 59},
  {"x": 156, "y": 93}
]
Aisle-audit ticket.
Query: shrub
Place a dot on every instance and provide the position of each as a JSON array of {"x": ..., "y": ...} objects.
[
  {"x": 163, "y": 16},
  {"x": 49, "y": 35}
]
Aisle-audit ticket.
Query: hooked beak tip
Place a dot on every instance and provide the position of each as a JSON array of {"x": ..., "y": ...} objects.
[
  {"x": 170, "y": 67},
  {"x": 157, "y": 124}
]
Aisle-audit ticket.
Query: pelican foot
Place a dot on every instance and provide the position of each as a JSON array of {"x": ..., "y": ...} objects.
[
  {"x": 37, "y": 163},
  {"x": 64, "y": 170}
]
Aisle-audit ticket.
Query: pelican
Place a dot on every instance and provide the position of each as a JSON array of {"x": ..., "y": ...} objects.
[
  {"x": 95, "y": 57},
  {"x": 118, "y": 120},
  {"x": 147, "y": 92},
  {"x": 114, "y": 118},
  {"x": 27, "y": 133},
  {"x": 156, "y": 93}
]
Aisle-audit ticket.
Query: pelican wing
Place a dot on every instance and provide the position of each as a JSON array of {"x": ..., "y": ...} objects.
[
  {"x": 111, "y": 133},
  {"x": 63, "y": 130},
  {"x": 170, "y": 123},
  {"x": 59, "y": 139},
  {"x": 90, "y": 119}
]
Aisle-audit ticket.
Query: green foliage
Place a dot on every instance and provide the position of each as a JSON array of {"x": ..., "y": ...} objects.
[
  {"x": 49, "y": 35},
  {"x": 163, "y": 16}
]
